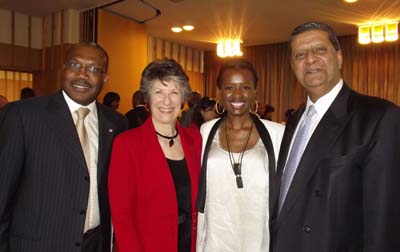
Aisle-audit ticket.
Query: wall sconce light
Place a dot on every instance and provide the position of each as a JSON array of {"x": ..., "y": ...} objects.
[
  {"x": 364, "y": 34},
  {"x": 391, "y": 32},
  {"x": 378, "y": 32},
  {"x": 229, "y": 48}
]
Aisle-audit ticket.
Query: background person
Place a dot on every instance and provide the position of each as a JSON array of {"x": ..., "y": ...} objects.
[
  {"x": 26, "y": 93},
  {"x": 239, "y": 160},
  {"x": 3, "y": 102},
  {"x": 187, "y": 115},
  {"x": 138, "y": 115},
  {"x": 155, "y": 168},
  {"x": 111, "y": 99},
  {"x": 204, "y": 111}
]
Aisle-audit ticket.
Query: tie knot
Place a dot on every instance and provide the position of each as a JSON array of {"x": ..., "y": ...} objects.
[
  {"x": 82, "y": 112},
  {"x": 311, "y": 111}
]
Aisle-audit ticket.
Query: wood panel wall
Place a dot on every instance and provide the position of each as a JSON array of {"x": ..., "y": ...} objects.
[
  {"x": 37, "y": 45},
  {"x": 12, "y": 82},
  {"x": 19, "y": 47}
]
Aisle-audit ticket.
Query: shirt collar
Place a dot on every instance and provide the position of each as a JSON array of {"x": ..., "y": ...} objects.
[
  {"x": 74, "y": 106},
  {"x": 324, "y": 102}
]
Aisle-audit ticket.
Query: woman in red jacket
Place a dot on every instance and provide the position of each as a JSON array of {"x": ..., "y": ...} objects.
[{"x": 154, "y": 170}]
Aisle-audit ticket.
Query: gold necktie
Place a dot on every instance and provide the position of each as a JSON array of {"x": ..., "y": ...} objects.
[
  {"x": 83, "y": 137},
  {"x": 82, "y": 133}
]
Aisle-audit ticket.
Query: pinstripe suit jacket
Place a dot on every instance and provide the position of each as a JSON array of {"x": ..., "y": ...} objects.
[{"x": 44, "y": 181}]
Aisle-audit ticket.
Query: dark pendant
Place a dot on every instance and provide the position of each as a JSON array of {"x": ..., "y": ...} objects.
[
  {"x": 238, "y": 173},
  {"x": 171, "y": 139},
  {"x": 236, "y": 169},
  {"x": 239, "y": 182}
]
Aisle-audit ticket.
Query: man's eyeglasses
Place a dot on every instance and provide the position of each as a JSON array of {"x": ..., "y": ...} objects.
[{"x": 94, "y": 70}]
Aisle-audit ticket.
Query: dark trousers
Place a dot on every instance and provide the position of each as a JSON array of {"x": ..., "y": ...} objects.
[{"x": 92, "y": 240}]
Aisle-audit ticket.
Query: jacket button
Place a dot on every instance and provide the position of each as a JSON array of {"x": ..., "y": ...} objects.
[
  {"x": 87, "y": 178},
  {"x": 306, "y": 229},
  {"x": 82, "y": 212},
  {"x": 317, "y": 193},
  {"x": 78, "y": 244}
]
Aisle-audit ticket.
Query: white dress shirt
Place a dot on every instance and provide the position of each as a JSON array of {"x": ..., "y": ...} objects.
[
  {"x": 321, "y": 106},
  {"x": 92, "y": 127}
]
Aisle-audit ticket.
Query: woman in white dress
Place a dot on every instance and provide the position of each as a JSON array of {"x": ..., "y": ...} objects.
[{"x": 238, "y": 159}]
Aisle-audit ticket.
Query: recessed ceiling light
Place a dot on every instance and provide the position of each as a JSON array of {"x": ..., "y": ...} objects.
[
  {"x": 176, "y": 29},
  {"x": 350, "y": 1},
  {"x": 188, "y": 27}
]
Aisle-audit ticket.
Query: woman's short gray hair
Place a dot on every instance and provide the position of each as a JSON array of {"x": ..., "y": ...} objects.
[{"x": 164, "y": 70}]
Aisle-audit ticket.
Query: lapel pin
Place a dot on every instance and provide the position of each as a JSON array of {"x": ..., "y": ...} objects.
[{"x": 110, "y": 130}]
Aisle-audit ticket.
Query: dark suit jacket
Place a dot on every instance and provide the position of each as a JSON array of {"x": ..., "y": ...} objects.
[
  {"x": 345, "y": 194},
  {"x": 137, "y": 116},
  {"x": 143, "y": 201},
  {"x": 44, "y": 183}
]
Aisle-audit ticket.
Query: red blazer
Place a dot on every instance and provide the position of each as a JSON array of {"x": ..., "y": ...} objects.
[{"x": 144, "y": 209}]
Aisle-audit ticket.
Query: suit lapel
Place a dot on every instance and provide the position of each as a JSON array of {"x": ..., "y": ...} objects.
[
  {"x": 283, "y": 152},
  {"x": 324, "y": 136},
  {"x": 287, "y": 139},
  {"x": 106, "y": 135},
  {"x": 60, "y": 119}
]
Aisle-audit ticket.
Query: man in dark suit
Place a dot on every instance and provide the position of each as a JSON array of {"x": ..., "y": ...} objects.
[
  {"x": 339, "y": 162},
  {"x": 53, "y": 182},
  {"x": 139, "y": 113}
]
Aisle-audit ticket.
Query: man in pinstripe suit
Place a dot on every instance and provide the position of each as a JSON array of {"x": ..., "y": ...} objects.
[{"x": 53, "y": 195}]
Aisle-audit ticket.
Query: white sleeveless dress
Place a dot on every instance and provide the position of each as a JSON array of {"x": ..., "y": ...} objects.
[{"x": 235, "y": 220}]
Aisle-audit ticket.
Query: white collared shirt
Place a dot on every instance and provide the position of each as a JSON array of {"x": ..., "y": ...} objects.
[
  {"x": 321, "y": 106},
  {"x": 92, "y": 127}
]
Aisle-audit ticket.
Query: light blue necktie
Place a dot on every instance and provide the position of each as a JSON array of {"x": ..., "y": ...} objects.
[{"x": 298, "y": 146}]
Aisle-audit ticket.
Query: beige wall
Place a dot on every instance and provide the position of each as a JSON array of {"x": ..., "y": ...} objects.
[{"x": 126, "y": 44}]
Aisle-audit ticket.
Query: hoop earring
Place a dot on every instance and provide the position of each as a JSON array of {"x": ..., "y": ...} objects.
[
  {"x": 255, "y": 111},
  {"x": 216, "y": 108}
]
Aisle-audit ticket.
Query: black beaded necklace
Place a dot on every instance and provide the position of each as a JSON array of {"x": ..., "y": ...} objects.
[
  {"x": 237, "y": 167},
  {"x": 170, "y": 138}
]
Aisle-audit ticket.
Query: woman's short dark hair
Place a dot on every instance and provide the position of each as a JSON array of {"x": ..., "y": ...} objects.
[
  {"x": 236, "y": 64},
  {"x": 164, "y": 70}
]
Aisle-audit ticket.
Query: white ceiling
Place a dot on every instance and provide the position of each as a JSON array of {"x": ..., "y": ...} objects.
[{"x": 255, "y": 21}]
